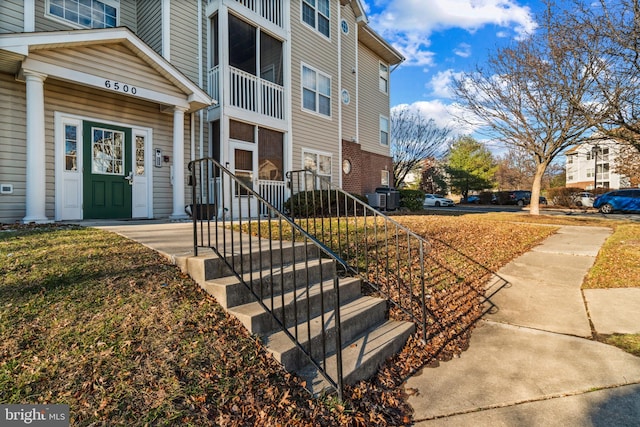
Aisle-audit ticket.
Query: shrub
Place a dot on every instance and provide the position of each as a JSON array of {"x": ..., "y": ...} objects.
[
  {"x": 411, "y": 199},
  {"x": 563, "y": 196},
  {"x": 322, "y": 203}
]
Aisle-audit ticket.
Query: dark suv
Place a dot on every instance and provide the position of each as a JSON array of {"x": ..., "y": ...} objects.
[{"x": 515, "y": 197}]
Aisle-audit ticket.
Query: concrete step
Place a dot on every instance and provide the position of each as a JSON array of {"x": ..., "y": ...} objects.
[
  {"x": 258, "y": 321},
  {"x": 362, "y": 357},
  {"x": 356, "y": 317},
  {"x": 229, "y": 291},
  {"x": 209, "y": 266}
]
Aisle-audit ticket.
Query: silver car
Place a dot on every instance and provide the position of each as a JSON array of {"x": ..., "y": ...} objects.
[
  {"x": 584, "y": 198},
  {"x": 436, "y": 200}
]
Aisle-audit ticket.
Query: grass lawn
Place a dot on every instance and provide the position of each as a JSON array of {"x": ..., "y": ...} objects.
[{"x": 109, "y": 327}]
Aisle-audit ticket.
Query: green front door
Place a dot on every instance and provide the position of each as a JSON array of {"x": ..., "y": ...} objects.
[{"x": 107, "y": 171}]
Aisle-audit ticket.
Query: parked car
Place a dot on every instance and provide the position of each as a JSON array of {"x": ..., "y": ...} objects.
[
  {"x": 514, "y": 197},
  {"x": 436, "y": 200},
  {"x": 584, "y": 198},
  {"x": 619, "y": 200},
  {"x": 543, "y": 200},
  {"x": 471, "y": 199}
]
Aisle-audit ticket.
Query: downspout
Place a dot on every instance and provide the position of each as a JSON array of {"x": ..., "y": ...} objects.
[
  {"x": 29, "y": 16},
  {"x": 200, "y": 81},
  {"x": 339, "y": 33},
  {"x": 166, "y": 29}
]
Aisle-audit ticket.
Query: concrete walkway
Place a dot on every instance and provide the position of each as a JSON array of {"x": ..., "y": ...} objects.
[{"x": 532, "y": 362}]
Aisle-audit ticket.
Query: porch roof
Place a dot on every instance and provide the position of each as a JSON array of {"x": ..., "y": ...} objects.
[{"x": 15, "y": 49}]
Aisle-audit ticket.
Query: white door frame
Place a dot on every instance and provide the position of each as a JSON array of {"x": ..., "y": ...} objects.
[{"x": 68, "y": 183}]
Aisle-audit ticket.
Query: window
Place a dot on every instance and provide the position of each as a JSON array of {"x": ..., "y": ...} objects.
[
  {"x": 241, "y": 131},
  {"x": 384, "y": 131},
  {"x": 570, "y": 160},
  {"x": 384, "y": 78},
  {"x": 71, "y": 148},
  {"x": 320, "y": 163},
  {"x": 384, "y": 179},
  {"x": 316, "y": 91},
  {"x": 139, "y": 155},
  {"x": 86, "y": 13},
  {"x": 315, "y": 13},
  {"x": 107, "y": 150},
  {"x": 345, "y": 26}
]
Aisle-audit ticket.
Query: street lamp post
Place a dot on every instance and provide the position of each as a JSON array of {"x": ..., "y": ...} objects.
[{"x": 595, "y": 166}]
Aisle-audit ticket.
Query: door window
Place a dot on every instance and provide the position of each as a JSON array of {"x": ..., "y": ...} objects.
[
  {"x": 139, "y": 155},
  {"x": 107, "y": 150},
  {"x": 71, "y": 148},
  {"x": 244, "y": 170}
]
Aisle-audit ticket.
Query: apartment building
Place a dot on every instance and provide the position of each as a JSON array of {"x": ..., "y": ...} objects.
[
  {"x": 106, "y": 101},
  {"x": 590, "y": 165}
]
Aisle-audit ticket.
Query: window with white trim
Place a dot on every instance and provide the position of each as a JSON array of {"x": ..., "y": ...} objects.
[
  {"x": 384, "y": 78},
  {"x": 85, "y": 13},
  {"x": 384, "y": 131},
  {"x": 384, "y": 179},
  {"x": 318, "y": 162},
  {"x": 316, "y": 14},
  {"x": 316, "y": 91}
]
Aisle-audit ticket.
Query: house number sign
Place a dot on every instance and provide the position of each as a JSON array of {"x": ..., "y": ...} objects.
[{"x": 120, "y": 87}]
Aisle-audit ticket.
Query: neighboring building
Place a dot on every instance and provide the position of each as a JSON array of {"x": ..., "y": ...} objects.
[
  {"x": 110, "y": 99},
  {"x": 591, "y": 165}
]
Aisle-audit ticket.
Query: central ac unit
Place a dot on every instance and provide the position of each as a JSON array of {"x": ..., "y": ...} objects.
[{"x": 377, "y": 200}]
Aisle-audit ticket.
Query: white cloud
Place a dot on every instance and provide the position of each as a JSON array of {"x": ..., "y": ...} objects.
[
  {"x": 408, "y": 24},
  {"x": 463, "y": 50},
  {"x": 444, "y": 115},
  {"x": 440, "y": 84}
]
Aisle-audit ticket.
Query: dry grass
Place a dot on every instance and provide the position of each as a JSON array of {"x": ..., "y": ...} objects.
[{"x": 618, "y": 264}]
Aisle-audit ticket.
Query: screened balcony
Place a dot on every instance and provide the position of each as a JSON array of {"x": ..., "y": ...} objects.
[{"x": 255, "y": 71}]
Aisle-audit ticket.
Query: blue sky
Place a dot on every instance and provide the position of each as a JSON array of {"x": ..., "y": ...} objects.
[{"x": 441, "y": 38}]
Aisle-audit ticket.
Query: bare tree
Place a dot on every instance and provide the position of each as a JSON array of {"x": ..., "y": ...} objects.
[
  {"x": 528, "y": 96},
  {"x": 606, "y": 43},
  {"x": 627, "y": 163},
  {"x": 414, "y": 138},
  {"x": 516, "y": 169}
]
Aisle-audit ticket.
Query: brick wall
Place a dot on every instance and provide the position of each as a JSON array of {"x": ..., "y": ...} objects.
[{"x": 366, "y": 169}]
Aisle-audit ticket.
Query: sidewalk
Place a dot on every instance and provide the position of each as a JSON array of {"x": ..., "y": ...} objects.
[{"x": 531, "y": 362}]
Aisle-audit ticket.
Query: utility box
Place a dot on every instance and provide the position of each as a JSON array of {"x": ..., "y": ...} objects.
[
  {"x": 377, "y": 200},
  {"x": 392, "y": 197}
]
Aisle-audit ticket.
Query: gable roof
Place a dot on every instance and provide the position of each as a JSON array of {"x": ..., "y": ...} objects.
[
  {"x": 370, "y": 38},
  {"x": 15, "y": 49}
]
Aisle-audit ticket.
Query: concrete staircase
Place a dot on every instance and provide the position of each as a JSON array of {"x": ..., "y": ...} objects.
[{"x": 302, "y": 286}]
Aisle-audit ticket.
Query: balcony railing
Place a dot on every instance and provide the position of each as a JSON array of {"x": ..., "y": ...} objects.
[
  {"x": 249, "y": 92},
  {"x": 271, "y": 10}
]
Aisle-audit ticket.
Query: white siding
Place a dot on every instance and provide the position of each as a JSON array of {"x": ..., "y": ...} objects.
[
  {"x": 348, "y": 48},
  {"x": 112, "y": 61},
  {"x": 184, "y": 38},
  {"x": 373, "y": 102},
  {"x": 11, "y": 16},
  {"x": 149, "y": 23},
  {"x": 13, "y": 155},
  {"x": 309, "y": 130}
]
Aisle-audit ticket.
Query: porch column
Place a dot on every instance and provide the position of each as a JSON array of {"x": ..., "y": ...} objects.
[
  {"x": 178, "y": 164},
  {"x": 36, "y": 166}
]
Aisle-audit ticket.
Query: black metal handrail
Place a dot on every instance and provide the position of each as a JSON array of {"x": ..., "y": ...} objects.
[
  {"x": 251, "y": 236},
  {"x": 387, "y": 255}
]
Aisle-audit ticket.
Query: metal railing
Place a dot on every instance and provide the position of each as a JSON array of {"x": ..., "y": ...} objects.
[
  {"x": 252, "y": 237},
  {"x": 271, "y": 10},
  {"x": 387, "y": 255}
]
